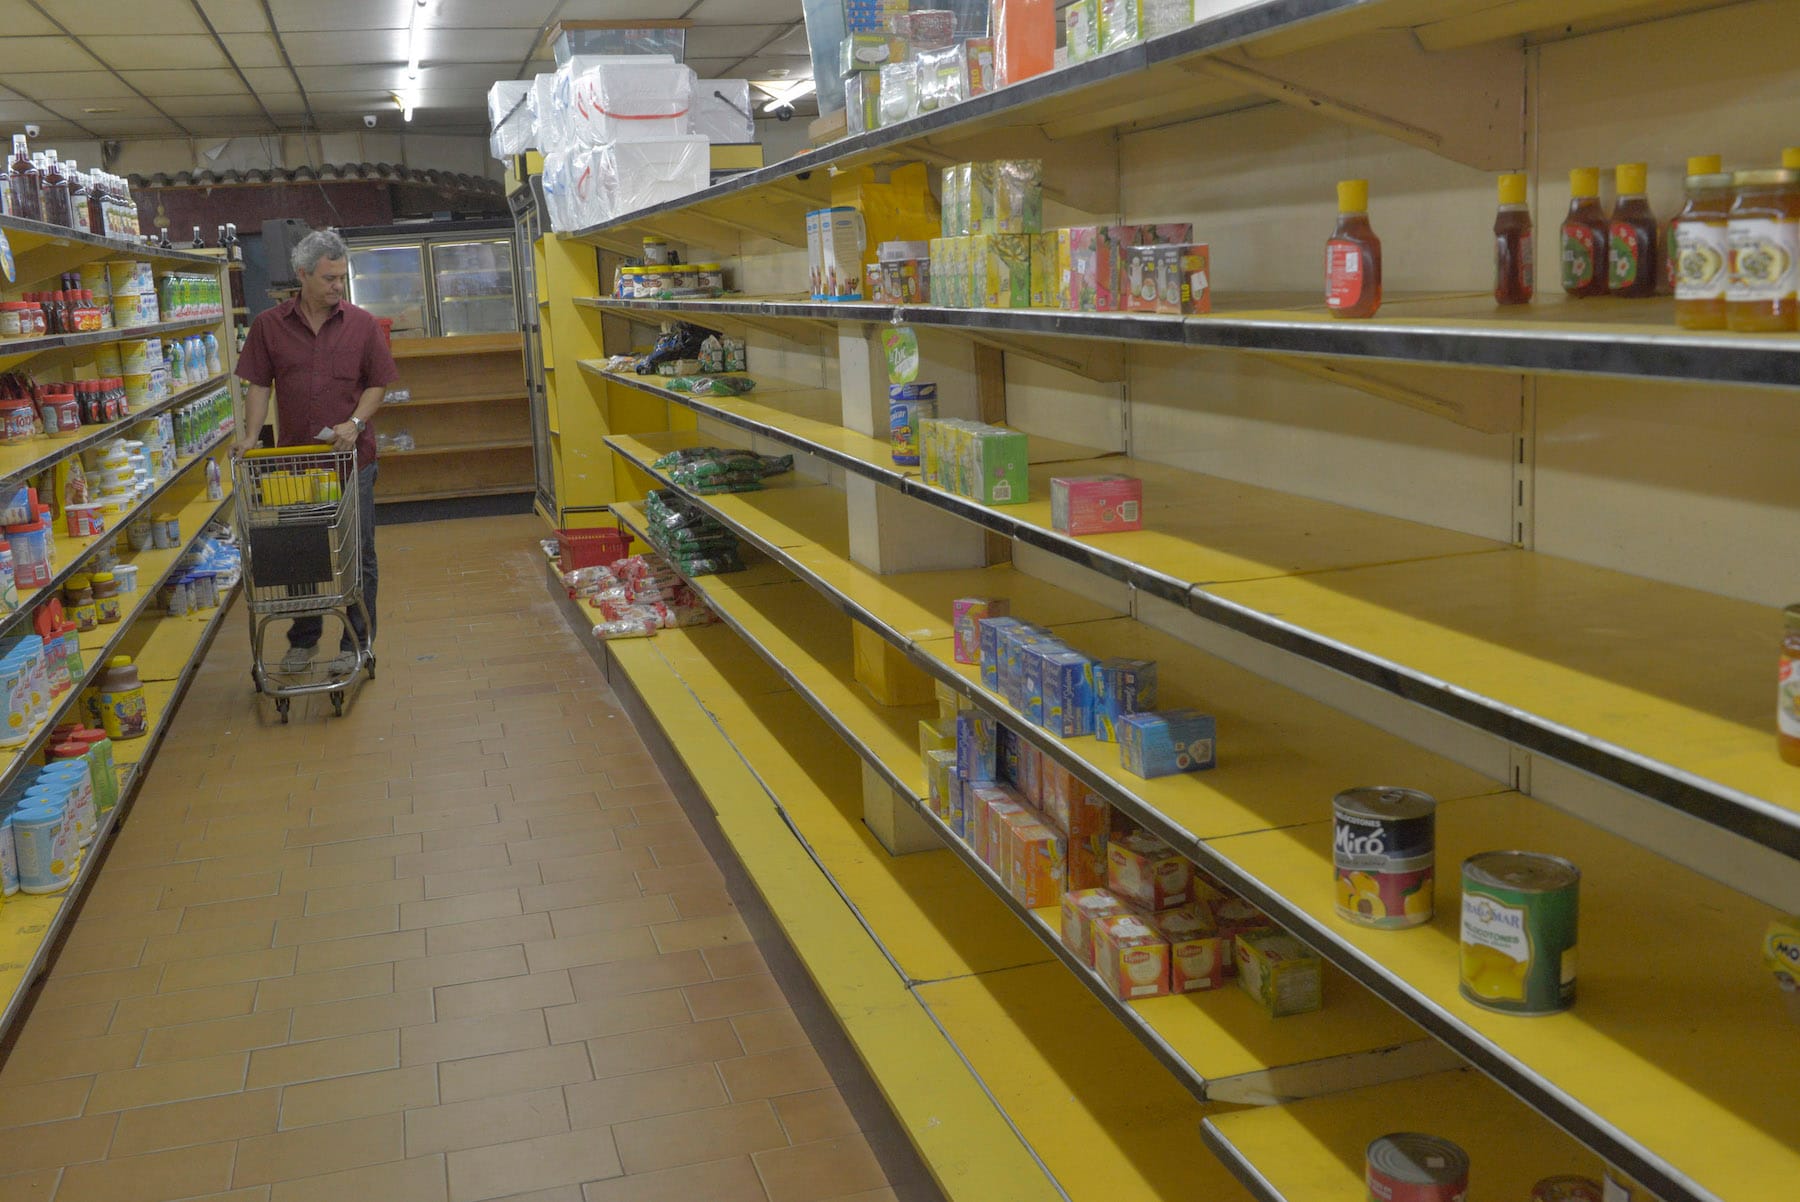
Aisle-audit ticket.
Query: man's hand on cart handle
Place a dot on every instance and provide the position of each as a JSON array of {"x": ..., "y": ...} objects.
[
  {"x": 341, "y": 436},
  {"x": 243, "y": 446}
]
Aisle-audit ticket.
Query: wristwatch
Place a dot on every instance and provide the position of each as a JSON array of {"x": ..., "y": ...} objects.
[{"x": 359, "y": 423}]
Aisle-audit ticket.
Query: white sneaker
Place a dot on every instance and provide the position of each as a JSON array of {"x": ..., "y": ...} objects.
[
  {"x": 297, "y": 660},
  {"x": 344, "y": 664}
]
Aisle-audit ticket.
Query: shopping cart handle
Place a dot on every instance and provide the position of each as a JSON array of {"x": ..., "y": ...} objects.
[{"x": 310, "y": 448}]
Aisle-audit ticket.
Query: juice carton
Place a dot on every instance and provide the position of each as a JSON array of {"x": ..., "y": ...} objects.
[
  {"x": 1036, "y": 872},
  {"x": 1164, "y": 742},
  {"x": 956, "y": 815},
  {"x": 1080, "y": 909},
  {"x": 1032, "y": 762},
  {"x": 983, "y": 281},
  {"x": 1077, "y": 262},
  {"x": 1031, "y": 678},
  {"x": 1234, "y": 916},
  {"x": 1068, "y": 684},
  {"x": 1110, "y": 278},
  {"x": 1280, "y": 972},
  {"x": 940, "y": 770},
  {"x": 1140, "y": 278},
  {"x": 1184, "y": 278},
  {"x": 988, "y": 631},
  {"x": 1006, "y": 271},
  {"x": 1019, "y": 196},
  {"x": 1045, "y": 277},
  {"x": 1147, "y": 872},
  {"x": 965, "y": 612},
  {"x": 1121, "y": 686},
  {"x": 1130, "y": 956},
  {"x": 999, "y": 810},
  {"x": 1002, "y": 476},
  {"x": 1197, "y": 955},
  {"x": 975, "y": 748},
  {"x": 1096, "y": 504}
]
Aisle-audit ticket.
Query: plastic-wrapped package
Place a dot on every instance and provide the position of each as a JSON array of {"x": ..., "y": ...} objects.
[
  {"x": 636, "y": 175},
  {"x": 541, "y": 104},
  {"x": 509, "y": 118},
  {"x": 931, "y": 29},
  {"x": 722, "y": 111},
  {"x": 1024, "y": 33},
  {"x": 1121, "y": 24},
  {"x": 978, "y": 65},
  {"x": 726, "y": 386},
  {"x": 632, "y": 101},
  {"x": 1166, "y": 16},
  {"x": 940, "y": 79},
  {"x": 862, "y": 101},
  {"x": 557, "y": 191},
  {"x": 1083, "y": 25},
  {"x": 1019, "y": 195},
  {"x": 899, "y": 93}
]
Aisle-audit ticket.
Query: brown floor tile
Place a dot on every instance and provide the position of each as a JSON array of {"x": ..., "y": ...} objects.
[
  {"x": 191, "y": 1006},
  {"x": 195, "y": 1040},
  {"x": 638, "y": 1051},
  {"x": 740, "y": 995},
  {"x": 550, "y": 1160},
  {"x": 558, "y": 847},
  {"x": 37, "y": 1060},
  {"x": 504, "y": 996},
  {"x": 457, "y": 968},
  {"x": 361, "y": 1096},
  {"x": 490, "y": 932},
  {"x": 614, "y": 1016},
  {"x": 323, "y": 1058},
  {"x": 454, "y": 859},
  {"x": 173, "y": 1082},
  {"x": 703, "y": 902},
  {"x": 767, "y": 1030},
  {"x": 30, "y": 1187},
  {"x": 362, "y": 897},
  {"x": 731, "y": 1180},
  {"x": 420, "y": 1180},
  {"x": 42, "y": 1103},
  {"x": 72, "y": 1022},
  {"x": 735, "y": 960},
  {"x": 770, "y": 1074},
  {"x": 817, "y": 1171},
  {"x": 513, "y": 1072},
  {"x": 306, "y": 877},
  {"x": 206, "y": 1121},
  {"x": 485, "y": 1121},
  {"x": 482, "y": 880},
  {"x": 99, "y": 986},
  {"x": 326, "y": 1148},
  {"x": 639, "y": 975},
  {"x": 469, "y": 907},
  {"x": 602, "y": 948},
  {"x": 672, "y": 1090},
  {"x": 157, "y": 1177},
  {"x": 437, "y": 1042},
  {"x": 345, "y": 924},
  {"x": 583, "y": 891},
  {"x": 199, "y": 945},
  {"x": 549, "y": 826},
  {"x": 352, "y": 953},
  {"x": 366, "y": 849},
  {"x": 320, "y": 833},
  {"x": 378, "y": 1012},
  {"x": 814, "y": 1115},
  {"x": 598, "y": 863},
  {"x": 660, "y": 1143},
  {"x": 101, "y": 956},
  {"x": 475, "y": 836},
  {"x": 331, "y": 985},
  {"x": 47, "y": 1145},
  {"x": 610, "y": 916},
  {"x": 223, "y": 970},
  {"x": 716, "y": 931},
  {"x": 242, "y": 913},
  {"x": 456, "y": 818}
]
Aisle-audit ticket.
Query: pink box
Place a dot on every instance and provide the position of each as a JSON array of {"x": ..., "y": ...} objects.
[
  {"x": 1110, "y": 277},
  {"x": 1075, "y": 249},
  {"x": 1172, "y": 233},
  {"x": 1096, "y": 504},
  {"x": 965, "y": 614}
]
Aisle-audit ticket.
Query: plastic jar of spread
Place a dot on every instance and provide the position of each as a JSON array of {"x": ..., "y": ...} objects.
[
  {"x": 12, "y": 320},
  {"x": 31, "y": 554},
  {"x": 712, "y": 278},
  {"x": 107, "y": 590},
  {"x": 653, "y": 282},
  {"x": 78, "y": 603},
  {"x": 61, "y": 413},
  {"x": 656, "y": 251},
  {"x": 122, "y": 708},
  {"x": 1763, "y": 232},
  {"x": 17, "y": 422},
  {"x": 683, "y": 280}
]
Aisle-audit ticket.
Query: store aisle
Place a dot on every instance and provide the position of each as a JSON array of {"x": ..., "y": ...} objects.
[{"x": 461, "y": 944}]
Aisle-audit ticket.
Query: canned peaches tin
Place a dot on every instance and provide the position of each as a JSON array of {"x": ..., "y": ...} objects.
[
  {"x": 1409, "y": 1167},
  {"x": 1520, "y": 913},
  {"x": 1384, "y": 850}
]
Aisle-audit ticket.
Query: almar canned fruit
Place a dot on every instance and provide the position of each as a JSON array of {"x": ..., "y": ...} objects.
[{"x": 1519, "y": 921}]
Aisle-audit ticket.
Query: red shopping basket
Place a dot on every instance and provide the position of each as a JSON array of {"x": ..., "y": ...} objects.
[{"x": 591, "y": 547}]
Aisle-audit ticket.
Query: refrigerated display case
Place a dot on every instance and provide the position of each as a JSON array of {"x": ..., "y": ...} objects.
[{"x": 437, "y": 279}]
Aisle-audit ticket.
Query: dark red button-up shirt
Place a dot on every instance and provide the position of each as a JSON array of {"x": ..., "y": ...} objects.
[{"x": 318, "y": 378}]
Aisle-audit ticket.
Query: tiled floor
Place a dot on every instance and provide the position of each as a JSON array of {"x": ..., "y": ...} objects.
[{"x": 461, "y": 944}]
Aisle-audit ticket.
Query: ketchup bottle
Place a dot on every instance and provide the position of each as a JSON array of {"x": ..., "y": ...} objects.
[{"x": 1353, "y": 256}]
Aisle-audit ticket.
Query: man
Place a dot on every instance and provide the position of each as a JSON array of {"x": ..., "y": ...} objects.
[{"x": 330, "y": 367}]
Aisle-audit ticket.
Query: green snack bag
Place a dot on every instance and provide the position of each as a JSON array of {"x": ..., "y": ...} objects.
[{"x": 901, "y": 346}]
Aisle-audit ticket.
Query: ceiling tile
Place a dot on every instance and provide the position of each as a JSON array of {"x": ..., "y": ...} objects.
[
  {"x": 485, "y": 14},
  {"x": 792, "y": 42},
  {"x": 197, "y": 54},
  {"x": 444, "y": 45},
  {"x": 744, "y": 12},
  {"x": 253, "y": 49},
  {"x": 342, "y": 49},
  {"x": 351, "y": 102},
  {"x": 84, "y": 17},
  {"x": 68, "y": 85},
  {"x": 236, "y": 16},
  {"x": 119, "y": 106},
  {"x": 250, "y": 122},
  {"x": 42, "y": 54},
  {"x": 270, "y": 78},
  {"x": 464, "y": 75},
  {"x": 620, "y": 10},
  {"x": 767, "y": 66},
  {"x": 714, "y": 68},
  {"x": 326, "y": 16},
  {"x": 352, "y": 79},
  {"x": 140, "y": 127},
  {"x": 24, "y": 110},
  {"x": 719, "y": 41},
  {"x": 208, "y": 106},
  {"x": 185, "y": 83}
]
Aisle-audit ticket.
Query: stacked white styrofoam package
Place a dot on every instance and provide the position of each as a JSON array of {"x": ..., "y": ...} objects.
[
  {"x": 722, "y": 110},
  {"x": 510, "y": 118}
]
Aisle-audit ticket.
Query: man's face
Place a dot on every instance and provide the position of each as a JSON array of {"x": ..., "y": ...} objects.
[{"x": 323, "y": 286}]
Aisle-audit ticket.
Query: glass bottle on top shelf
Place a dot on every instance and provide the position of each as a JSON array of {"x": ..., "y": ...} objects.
[
  {"x": 1763, "y": 230},
  {"x": 1584, "y": 236},
  {"x": 23, "y": 182},
  {"x": 1631, "y": 251},
  {"x": 1698, "y": 249},
  {"x": 1515, "y": 254},
  {"x": 78, "y": 196},
  {"x": 1353, "y": 256},
  {"x": 54, "y": 192}
]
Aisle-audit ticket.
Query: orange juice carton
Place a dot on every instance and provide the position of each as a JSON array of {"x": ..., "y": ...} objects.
[
  {"x": 1031, "y": 771},
  {"x": 978, "y": 64},
  {"x": 1140, "y": 278},
  {"x": 940, "y": 770},
  {"x": 975, "y": 748},
  {"x": 965, "y": 612},
  {"x": 1234, "y": 916},
  {"x": 989, "y": 805},
  {"x": 1096, "y": 504},
  {"x": 1037, "y": 859},
  {"x": 1165, "y": 742},
  {"x": 1080, "y": 909},
  {"x": 1130, "y": 956},
  {"x": 1111, "y": 280},
  {"x": 1184, "y": 279},
  {"x": 1147, "y": 872},
  {"x": 1197, "y": 955},
  {"x": 1281, "y": 973},
  {"x": 936, "y": 734},
  {"x": 1121, "y": 686}
]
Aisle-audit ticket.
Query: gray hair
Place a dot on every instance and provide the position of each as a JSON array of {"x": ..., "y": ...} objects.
[{"x": 320, "y": 244}]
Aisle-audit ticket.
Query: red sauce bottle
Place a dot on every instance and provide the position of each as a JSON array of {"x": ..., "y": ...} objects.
[
  {"x": 1633, "y": 251},
  {"x": 1584, "y": 236},
  {"x": 1353, "y": 256},
  {"x": 1515, "y": 252}
]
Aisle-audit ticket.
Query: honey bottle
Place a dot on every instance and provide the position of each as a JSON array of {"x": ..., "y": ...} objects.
[
  {"x": 1515, "y": 253},
  {"x": 1698, "y": 251},
  {"x": 1584, "y": 234},
  {"x": 1353, "y": 256},
  {"x": 1764, "y": 233},
  {"x": 1631, "y": 252}
]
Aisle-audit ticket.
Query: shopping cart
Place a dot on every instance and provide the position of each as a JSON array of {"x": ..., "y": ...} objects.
[{"x": 297, "y": 525}]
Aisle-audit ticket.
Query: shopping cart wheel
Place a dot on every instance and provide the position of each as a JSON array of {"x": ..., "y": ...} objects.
[
  {"x": 281, "y": 707},
  {"x": 337, "y": 704},
  {"x": 371, "y": 666}
]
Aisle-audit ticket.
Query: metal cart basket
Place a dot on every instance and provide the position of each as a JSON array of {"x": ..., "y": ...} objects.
[{"x": 297, "y": 525}]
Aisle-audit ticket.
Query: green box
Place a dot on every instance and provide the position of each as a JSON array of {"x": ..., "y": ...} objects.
[
  {"x": 1018, "y": 196},
  {"x": 984, "y": 199},
  {"x": 1002, "y": 470},
  {"x": 1045, "y": 279},
  {"x": 1009, "y": 272}
]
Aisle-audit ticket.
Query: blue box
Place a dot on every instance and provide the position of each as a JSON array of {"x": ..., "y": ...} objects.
[
  {"x": 1009, "y": 745},
  {"x": 976, "y": 748},
  {"x": 1013, "y": 642},
  {"x": 1121, "y": 686},
  {"x": 1165, "y": 742},
  {"x": 956, "y": 815},
  {"x": 1035, "y": 678},
  {"x": 1068, "y": 693},
  {"x": 989, "y": 631}
]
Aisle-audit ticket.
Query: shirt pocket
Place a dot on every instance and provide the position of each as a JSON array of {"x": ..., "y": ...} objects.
[{"x": 348, "y": 373}]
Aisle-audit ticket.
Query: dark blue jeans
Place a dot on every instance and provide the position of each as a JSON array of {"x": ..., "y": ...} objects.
[{"x": 305, "y": 631}]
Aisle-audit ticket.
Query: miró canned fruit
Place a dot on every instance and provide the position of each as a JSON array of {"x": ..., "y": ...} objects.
[
  {"x": 1520, "y": 914},
  {"x": 1409, "y": 1167},
  {"x": 1384, "y": 849}
]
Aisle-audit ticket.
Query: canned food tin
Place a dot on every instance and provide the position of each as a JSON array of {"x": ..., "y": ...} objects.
[
  {"x": 1384, "y": 849},
  {"x": 1520, "y": 913},
  {"x": 1409, "y": 1167},
  {"x": 1566, "y": 1189}
]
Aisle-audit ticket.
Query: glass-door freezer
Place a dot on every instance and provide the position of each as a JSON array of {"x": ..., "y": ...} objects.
[
  {"x": 474, "y": 286},
  {"x": 389, "y": 281}
]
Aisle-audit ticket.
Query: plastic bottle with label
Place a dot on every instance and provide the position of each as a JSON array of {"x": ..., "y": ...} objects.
[
  {"x": 1515, "y": 253},
  {"x": 1698, "y": 248},
  {"x": 1763, "y": 231},
  {"x": 1632, "y": 250},
  {"x": 1353, "y": 256},
  {"x": 123, "y": 712}
]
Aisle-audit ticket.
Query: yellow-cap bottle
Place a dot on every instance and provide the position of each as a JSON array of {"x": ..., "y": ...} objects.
[
  {"x": 1634, "y": 261},
  {"x": 1629, "y": 178},
  {"x": 1790, "y": 158},
  {"x": 1515, "y": 253},
  {"x": 1353, "y": 256},
  {"x": 1353, "y": 196},
  {"x": 1583, "y": 237},
  {"x": 1584, "y": 181},
  {"x": 1704, "y": 164},
  {"x": 1512, "y": 188}
]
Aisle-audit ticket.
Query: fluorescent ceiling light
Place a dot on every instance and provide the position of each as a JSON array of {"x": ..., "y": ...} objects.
[
  {"x": 805, "y": 87},
  {"x": 415, "y": 35}
]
